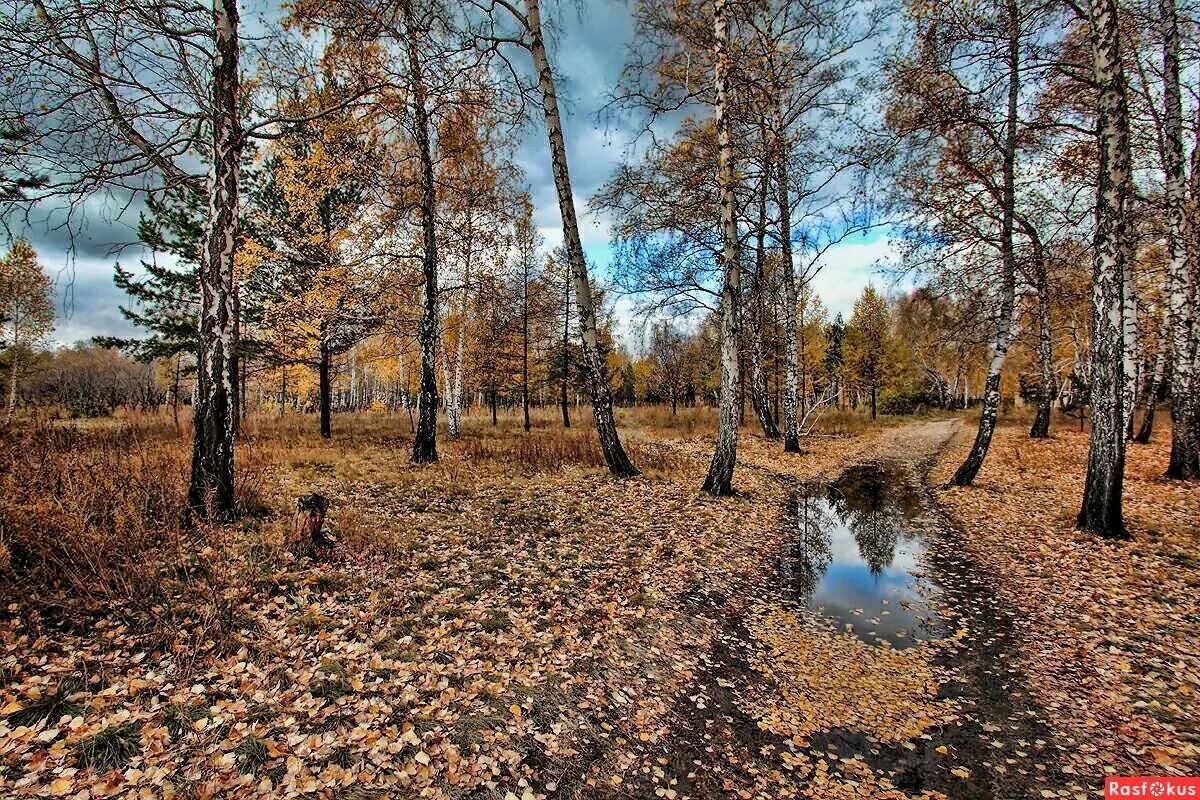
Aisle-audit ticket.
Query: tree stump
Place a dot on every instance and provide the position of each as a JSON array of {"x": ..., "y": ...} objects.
[{"x": 308, "y": 535}]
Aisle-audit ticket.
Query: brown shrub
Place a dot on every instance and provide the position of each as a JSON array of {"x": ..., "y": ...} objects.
[{"x": 97, "y": 514}]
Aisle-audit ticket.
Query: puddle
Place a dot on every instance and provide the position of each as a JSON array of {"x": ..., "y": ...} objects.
[{"x": 852, "y": 549}]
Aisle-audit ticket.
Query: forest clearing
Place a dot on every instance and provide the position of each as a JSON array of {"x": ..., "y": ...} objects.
[
  {"x": 584, "y": 399},
  {"x": 509, "y": 622}
]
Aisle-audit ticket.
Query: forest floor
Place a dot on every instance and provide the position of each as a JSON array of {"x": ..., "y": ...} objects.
[{"x": 513, "y": 622}]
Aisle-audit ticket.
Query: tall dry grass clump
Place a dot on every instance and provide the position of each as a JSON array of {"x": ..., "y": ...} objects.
[
  {"x": 85, "y": 513},
  {"x": 98, "y": 516}
]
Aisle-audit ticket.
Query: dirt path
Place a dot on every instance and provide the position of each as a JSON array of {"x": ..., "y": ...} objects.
[{"x": 754, "y": 723}]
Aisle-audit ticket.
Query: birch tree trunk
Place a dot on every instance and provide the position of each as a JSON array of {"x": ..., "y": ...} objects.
[
  {"x": 1100, "y": 512},
  {"x": 791, "y": 417},
  {"x": 446, "y": 379},
  {"x": 525, "y": 342},
  {"x": 210, "y": 487},
  {"x": 1131, "y": 354},
  {"x": 758, "y": 378},
  {"x": 719, "y": 480},
  {"x": 324, "y": 392},
  {"x": 594, "y": 363},
  {"x": 566, "y": 352},
  {"x": 453, "y": 377},
  {"x": 425, "y": 441},
  {"x": 12, "y": 384},
  {"x": 1045, "y": 352},
  {"x": 967, "y": 471},
  {"x": 1184, "y": 463},
  {"x": 456, "y": 390},
  {"x": 1151, "y": 397}
]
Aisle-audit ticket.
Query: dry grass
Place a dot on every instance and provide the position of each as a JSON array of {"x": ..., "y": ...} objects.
[
  {"x": 92, "y": 520},
  {"x": 82, "y": 510},
  {"x": 92, "y": 514},
  {"x": 551, "y": 449}
]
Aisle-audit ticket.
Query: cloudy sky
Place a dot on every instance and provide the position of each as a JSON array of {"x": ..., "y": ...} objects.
[{"x": 588, "y": 53}]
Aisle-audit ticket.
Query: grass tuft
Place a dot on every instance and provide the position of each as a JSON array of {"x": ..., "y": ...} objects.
[
  {"x": 111, "y": 748},
  {"x": 179, "y": 718},
  {"x": 51, "y": 706},
  {"x": 250, "y": 754}
]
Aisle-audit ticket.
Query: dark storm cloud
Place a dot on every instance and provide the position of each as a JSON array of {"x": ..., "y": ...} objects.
[
  {"x": 86, "y": 303},
  {"x": 588, "y": 49},
  {"x": 101, "y": 227}
]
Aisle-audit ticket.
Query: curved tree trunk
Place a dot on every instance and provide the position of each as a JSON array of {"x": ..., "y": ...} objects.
[
  {"x": 425, "y": 441},
  {"x": 1100, "y": 512},
  {"x": 594, "y": 361},
  {"x": 1146, "y": 430},
  {"x": 719, "y": 480},
  {"x": 1185, "y": 443},
  {"x": 211, "y": 487},
  {"x": 967, "y": 471}
]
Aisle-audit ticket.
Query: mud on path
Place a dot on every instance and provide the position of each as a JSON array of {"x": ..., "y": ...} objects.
[{"x": 812, "y": 688}]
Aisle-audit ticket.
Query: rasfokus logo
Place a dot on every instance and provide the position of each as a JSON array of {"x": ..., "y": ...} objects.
[{"x": 1151, "y": 787}]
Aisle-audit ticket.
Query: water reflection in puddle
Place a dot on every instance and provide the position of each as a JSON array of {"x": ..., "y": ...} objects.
[{"x": 851, "y": 549}]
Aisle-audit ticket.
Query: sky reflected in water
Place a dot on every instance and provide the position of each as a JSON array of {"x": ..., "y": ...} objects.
[{"x": 852, "y": 546}]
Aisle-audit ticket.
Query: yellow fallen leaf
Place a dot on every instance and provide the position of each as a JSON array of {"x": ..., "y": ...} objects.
[{"x": 515, "y": 709}]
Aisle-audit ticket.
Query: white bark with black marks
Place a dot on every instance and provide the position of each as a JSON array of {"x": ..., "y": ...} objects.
[
  {"x": 425, "y": 441},
  {"x": 970, "y": 467},
  {"x": 791, "y": 400},
  {"x": 1048, "y": 380},
  {"x": 1184, "y": 462},
  {"x": 1150, "y": 399},
  {"x": 719, "y": 480},
  {"x": 211, "y": 487},
  {"x": 1100, "y": 512},
  {"x": 594, "y": 363},
  {"x": 758, "y": 376}
]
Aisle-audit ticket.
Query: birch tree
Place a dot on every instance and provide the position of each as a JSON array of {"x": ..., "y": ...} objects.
[
  {"x": 100, "y": 122},
  {"x": 803, "y": 84},
  {"x": 476, "y": 183},
  {"x": 122, "y": 98},
  {"x": 530, "y": 36},
  {"x": 957, "y": 99},
  {"x": 1185, "y": 444},
  {"x": 26, "y": 311},
  {"x": 719, "y": 480},
  {"x": 1101, "y": 508}
]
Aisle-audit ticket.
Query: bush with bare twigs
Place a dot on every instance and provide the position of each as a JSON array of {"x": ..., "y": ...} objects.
[{"x": 97, "y": 517}]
